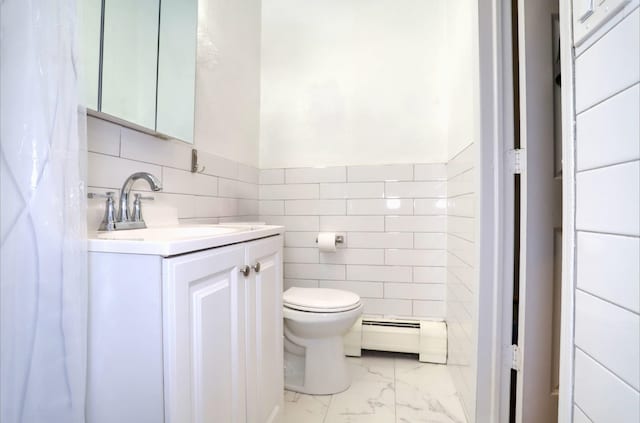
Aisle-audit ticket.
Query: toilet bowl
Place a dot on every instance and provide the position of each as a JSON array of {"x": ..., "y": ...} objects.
[{"x": 315, "y": 320}]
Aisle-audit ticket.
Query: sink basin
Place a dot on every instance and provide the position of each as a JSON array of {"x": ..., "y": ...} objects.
[
  {"x": 168, "y": 241},
  {"x": 171, "y": 233}
]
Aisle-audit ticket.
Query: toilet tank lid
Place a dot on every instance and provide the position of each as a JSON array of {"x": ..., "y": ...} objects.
[{"x": 320, "y": 298}]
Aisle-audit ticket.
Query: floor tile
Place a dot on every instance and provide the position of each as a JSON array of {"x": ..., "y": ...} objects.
[
  {"x": 386, "y": 388},
  {"x": 301, "y": 408},
  {"x": 371, "y": 397},
  {"x": 423, "y": 408},
  {"x": 427, "y": 377},
  {"x": 425, "y": 393}
]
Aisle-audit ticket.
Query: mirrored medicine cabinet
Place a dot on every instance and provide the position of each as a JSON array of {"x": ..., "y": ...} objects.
[{"x": 138, "y": 63}]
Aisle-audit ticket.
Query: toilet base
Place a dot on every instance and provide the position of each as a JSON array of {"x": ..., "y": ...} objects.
[{"x": 321, "y": 369}]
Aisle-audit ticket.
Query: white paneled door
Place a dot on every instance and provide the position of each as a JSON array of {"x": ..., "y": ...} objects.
[{"x": 203, "y": 327}]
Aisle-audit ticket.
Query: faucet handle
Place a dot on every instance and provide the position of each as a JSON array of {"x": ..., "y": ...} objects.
[
  {"x": 137, "y": 206},
  {"x": 109, "y": 220}
]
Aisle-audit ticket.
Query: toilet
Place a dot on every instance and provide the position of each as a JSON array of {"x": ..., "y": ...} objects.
[{"x": 315, "y": 320}]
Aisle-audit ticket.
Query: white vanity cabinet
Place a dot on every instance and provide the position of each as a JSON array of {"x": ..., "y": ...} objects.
[{"x": 188, "y": 338}]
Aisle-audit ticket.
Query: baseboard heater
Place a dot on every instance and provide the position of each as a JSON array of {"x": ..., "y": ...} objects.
[{"x": 426, "y": 338}]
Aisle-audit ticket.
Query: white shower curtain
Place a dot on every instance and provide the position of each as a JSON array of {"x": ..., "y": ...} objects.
[{"x": 43, "y": 281}]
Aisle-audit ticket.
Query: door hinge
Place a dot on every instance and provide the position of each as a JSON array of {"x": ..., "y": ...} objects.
[
  {"x": 517, "y": 159},
  {"x": 516, "y": 358}
]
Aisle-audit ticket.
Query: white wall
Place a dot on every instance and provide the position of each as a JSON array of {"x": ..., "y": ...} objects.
[
  {"x": 353, "y": 82},
  {"x": 228, "y": 79},
  {"x": 392, "y": 218},
  {"x": 462, "y": 290},
  {"x": 607, "y": 291},
  {"x": 463, "y": 128},
  {"x": 462, "y": 75}
]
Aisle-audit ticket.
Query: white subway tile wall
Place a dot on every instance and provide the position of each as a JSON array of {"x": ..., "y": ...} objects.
[
  {"x": 393, "y": 219},
  {"x": 224, "y": 191},
  {"x": 461, "y": 289},
  {"x": 607, "y": 296}
]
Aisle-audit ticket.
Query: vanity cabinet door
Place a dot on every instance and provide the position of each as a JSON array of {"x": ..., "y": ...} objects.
[
  {"x": 265, "y": 370},
  {"x": 203, "y": 336}
]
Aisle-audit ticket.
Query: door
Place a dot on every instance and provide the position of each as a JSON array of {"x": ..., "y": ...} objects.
[
  {"x": 265, "y": 369},
  {"x": 532, "y": 383},
  {"x": 204, "y": 344}
]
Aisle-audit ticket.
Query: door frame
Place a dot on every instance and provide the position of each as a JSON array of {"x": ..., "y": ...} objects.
[
  {"x": 565, "y": 392},
  {"x": 494, "y": 225}
]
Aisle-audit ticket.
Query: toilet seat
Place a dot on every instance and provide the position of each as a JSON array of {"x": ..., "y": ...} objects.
[{"x": 320, "y": 300}]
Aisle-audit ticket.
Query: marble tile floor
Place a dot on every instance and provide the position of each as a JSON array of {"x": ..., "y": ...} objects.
[{"x": 386, "y": 388}]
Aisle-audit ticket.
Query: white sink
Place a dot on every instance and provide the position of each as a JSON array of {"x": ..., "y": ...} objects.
[
  {"x": 171, "y": 233},
  {"x": 177, "y": 239}
]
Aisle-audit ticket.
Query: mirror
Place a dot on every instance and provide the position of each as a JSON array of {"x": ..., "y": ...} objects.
[
  {"x": 90, "y": 16},
  {"x": 139, "y": 63},
  {"x": 177, "y": 68},
  {"x": 130, "y": 61}
]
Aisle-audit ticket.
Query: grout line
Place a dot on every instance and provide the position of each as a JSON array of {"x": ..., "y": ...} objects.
[
  {"x": 460, "y": 173},
  {"x": 606, "y": 99},
  {"x": 395, "y": 383},
  {"x": 593, "y": 231},
  {"x": 601, "y": 364},
  {"x": 461, "y": 238},
  {"x": 579, "y": 289},
  {"x": 607, "y": 233},
  {"x": 119, "y": 140},
  {"x": 582, "y": 410},
  {"x": 456, "y": 215},
  {"x": 459, "y": 153},
  {"x": 462, "y": 260},
  {"x": 605, "y": 166},
  {"x": 463, "y": 194}
]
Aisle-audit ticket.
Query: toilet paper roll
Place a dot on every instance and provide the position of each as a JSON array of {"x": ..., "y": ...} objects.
[{"x": 327, "y": 241}]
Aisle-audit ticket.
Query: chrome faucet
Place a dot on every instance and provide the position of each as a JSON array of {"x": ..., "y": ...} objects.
[
  {"x": 124, "y": 214},
  {"x": 125, "y": 219}
]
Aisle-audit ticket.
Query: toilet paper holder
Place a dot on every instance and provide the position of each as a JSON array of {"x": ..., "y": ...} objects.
[{"x": 339, "y": 239}]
